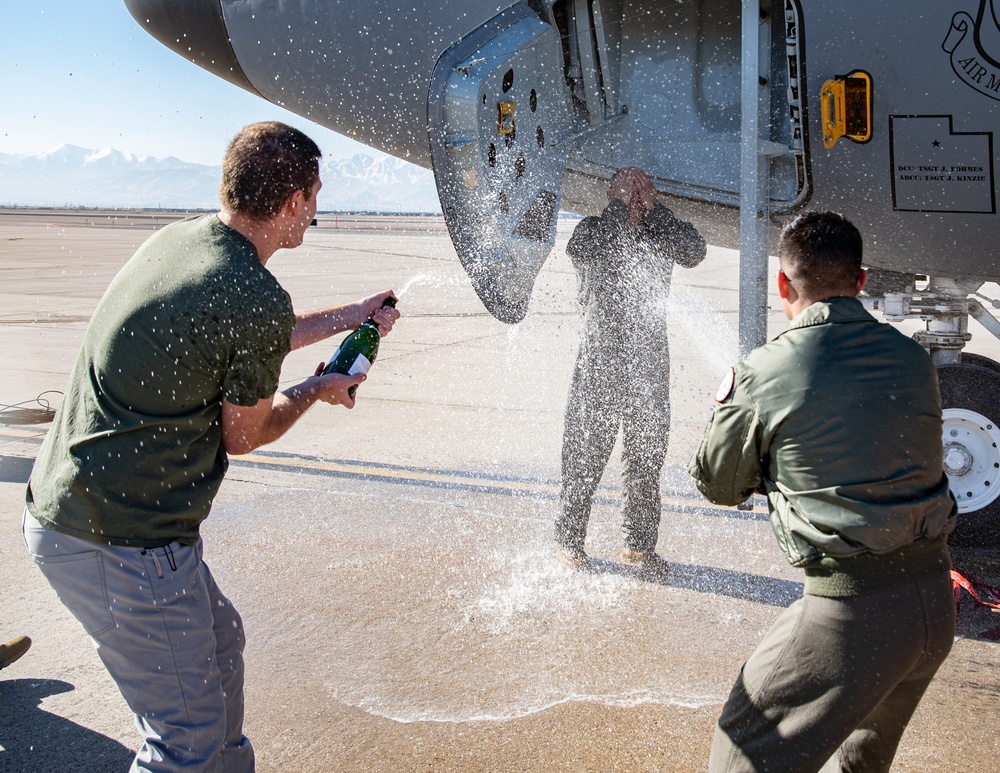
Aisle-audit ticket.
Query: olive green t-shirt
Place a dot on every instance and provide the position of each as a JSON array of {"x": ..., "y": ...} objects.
[{"x": 135, "y": 454}]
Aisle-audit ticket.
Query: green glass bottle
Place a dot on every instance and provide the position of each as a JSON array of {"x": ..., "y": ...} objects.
[{"x": 358, "y": 351}]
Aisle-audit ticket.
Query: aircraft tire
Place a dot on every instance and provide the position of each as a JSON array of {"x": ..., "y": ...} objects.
[
  {"x": 970, "y": 397},
  {"x": 970, "y": 358}
]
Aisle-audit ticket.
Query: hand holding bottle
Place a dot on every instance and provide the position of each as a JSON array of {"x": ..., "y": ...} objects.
[
  {"x": 357, "y": 352},
  {"x": 378, "y": 308},
  {"x": 337, "y": 388}
]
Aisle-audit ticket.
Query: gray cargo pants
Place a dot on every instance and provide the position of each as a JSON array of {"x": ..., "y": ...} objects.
[
  {"x": 611, "y": 389},
  {"x": 835, "y": 681},
  {"x": 170, "y": 639}
]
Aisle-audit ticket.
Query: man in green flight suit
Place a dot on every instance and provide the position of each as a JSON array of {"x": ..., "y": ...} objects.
[
  {"x": 624, "y": 259},
  {"x": 838, "y": 421}
]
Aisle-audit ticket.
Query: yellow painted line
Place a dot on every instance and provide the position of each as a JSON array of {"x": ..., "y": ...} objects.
[
  {"x": 397, "y": 474},
  {"x": 440, "y": 478},
  {"x": 21, "y": 433}
]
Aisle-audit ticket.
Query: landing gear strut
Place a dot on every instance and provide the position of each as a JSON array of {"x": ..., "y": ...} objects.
[{"x": 970, "y": 398}]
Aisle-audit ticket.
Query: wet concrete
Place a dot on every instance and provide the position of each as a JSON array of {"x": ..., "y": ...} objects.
[{"x": 393, "y": 563}]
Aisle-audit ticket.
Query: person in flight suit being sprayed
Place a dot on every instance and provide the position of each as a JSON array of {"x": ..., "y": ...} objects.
[{"x": 624, "y": 259}]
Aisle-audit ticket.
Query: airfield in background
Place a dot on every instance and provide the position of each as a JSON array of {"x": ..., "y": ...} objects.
[{"x": 393, "y": 563}]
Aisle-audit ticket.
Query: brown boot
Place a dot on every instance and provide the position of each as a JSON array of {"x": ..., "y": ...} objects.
[
  {"x": 13, "y": 649},
  {"x": 573, "y": 559},
  {"x": 646, "y": 562}
]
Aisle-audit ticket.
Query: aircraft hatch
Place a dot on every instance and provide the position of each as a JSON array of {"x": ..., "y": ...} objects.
[
  {"x": 497, "y": 110},
  {"x": 535, "y": 109}
]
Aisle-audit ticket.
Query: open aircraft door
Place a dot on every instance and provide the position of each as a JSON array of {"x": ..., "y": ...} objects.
[
  {"x": 546, "y": 100},
  {"x": 500, "y": 115}
]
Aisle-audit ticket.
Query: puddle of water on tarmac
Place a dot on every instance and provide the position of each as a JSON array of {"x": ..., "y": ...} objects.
[
  {"x": 449, "y": 606},
  {"x": 452, "y": 607}
]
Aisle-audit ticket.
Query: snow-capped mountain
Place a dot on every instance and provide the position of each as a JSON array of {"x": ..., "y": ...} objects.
[
  {"x": 70, "y": 176},
  {"x": 380, "y": 185}
]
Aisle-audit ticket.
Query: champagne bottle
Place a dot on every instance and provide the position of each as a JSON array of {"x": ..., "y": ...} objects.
[{"x": 358, "y": 351}]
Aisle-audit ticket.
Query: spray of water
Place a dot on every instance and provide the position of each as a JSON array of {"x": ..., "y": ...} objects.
[{"x": 692, "y": 316}]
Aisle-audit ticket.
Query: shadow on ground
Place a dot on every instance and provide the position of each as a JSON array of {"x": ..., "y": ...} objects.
[
  {"x": 711, "y": 579},
  {"x": 975, "y": 620},
  {"x": 15, "y": 469},
  {"x": 35, "y": 740}
]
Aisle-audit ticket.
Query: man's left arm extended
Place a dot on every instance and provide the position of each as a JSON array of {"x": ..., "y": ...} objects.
[
  {"x": 318, "y": 325},
  {"x": 245, "y": 428},
  {"x": 727, "y": 465}
]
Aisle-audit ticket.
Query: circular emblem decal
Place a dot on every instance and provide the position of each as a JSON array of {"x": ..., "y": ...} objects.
[{"x": 726, "y": 387}]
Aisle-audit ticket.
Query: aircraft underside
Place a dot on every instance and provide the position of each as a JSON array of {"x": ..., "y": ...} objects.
[{"x": 884, "y": 112}]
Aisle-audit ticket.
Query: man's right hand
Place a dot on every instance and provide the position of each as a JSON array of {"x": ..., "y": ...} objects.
[
  {"x": 633, "y": 187},
  {"x": 332, "y": 388},
  {"x": 373, "y": 307}
]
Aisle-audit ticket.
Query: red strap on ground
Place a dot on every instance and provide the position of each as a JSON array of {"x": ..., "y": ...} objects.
[{"x": 982, "y": 593}]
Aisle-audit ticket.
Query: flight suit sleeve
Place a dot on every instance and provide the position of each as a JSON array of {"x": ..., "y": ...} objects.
[
  {"x": 592, "y": 242},
  {"x": 584, "y": 241},
  {"x": 679, "y": 239},
  {"x": 727, "y": 466},
  {"x": 581, "y": 250},
  {"x": 594, "y": 235}
]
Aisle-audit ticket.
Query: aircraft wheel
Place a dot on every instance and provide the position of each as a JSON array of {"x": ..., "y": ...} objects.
[
  {"x": 969, "y": 358},
  {"x": 970, "y": 396}
]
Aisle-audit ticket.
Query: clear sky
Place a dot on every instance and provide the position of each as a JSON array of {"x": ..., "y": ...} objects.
[{"x": 84, "y": 73}]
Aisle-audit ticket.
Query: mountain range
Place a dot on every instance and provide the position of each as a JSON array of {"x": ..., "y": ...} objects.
[{"x": 70, "y": 176}]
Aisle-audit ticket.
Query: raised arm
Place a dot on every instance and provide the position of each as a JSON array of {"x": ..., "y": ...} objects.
[
  {"x": 586, "y": 241},
  {"x": 320, "y": 324},
  {"x": 677, "y": 237}
]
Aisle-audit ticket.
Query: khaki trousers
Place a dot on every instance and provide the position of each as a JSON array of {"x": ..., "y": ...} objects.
[{"x": 835, "y": 681}]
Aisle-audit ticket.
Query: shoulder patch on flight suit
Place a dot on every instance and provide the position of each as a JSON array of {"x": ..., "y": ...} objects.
[{"x": 726, "y": 387}]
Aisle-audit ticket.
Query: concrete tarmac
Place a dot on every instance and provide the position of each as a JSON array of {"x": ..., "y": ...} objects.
[{"x": 393, "y": 563}]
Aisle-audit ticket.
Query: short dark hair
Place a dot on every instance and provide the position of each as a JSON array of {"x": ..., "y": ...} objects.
[
  {"x": 820, "y": 253},
  {"x": 265, "y": 164}
]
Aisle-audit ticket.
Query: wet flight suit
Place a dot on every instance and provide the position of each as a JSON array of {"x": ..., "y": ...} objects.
[
  {"x": 839, "y": 421},
  {"x": 622, "y": 372}
]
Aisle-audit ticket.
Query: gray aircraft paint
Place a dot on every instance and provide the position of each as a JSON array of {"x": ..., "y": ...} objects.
[
  {"x": 525, "y": 109},
  {"x": 367, "y": 70}
]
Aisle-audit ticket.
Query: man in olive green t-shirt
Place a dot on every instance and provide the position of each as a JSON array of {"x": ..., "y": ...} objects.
[{"x": 179, "y": 367}]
